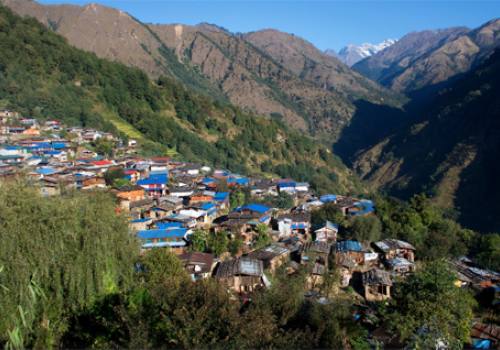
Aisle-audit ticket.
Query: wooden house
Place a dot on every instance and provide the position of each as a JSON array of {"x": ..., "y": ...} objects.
[
  {"x": 242, "y": 275},
  {"x": 394, "y": 248},
  {"x": 198, "y": 265},
  {"x": 273, "y": 256},
  {"x": 376, "y": 285}
]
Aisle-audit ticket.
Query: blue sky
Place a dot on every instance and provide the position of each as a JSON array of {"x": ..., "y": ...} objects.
[{"x": 327, "y": 24}]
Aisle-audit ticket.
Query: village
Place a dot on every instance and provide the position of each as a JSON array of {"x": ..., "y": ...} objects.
[{"x": 255, "y": 225}]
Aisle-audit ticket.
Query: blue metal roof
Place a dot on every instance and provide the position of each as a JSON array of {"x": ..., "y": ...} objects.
[
  {"x": 59, "y": 145},
  {"x": 349, "y": 246},
  {"x": 238, "y": 180},
  {"x": 45, "y": 171},
  {"x": 156, "y": 179},
  {"x": 140, "y": 220},
  {"x": 221, "y": 196},
  {"x": 287, "y": 184},
  {"x": 207, "y": 180},
  {"x": 168, "y": 225},
  {"x": 170, "y": 234},
  {"x": 207, "y": 206},
  {"x": 259, "y": 208},
  {"x": 328, "y": 198}
]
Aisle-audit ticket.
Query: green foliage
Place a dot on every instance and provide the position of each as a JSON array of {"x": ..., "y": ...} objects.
[
  {"x": 58, "y": 255},
  {"x": 217, "y": 243},
  {"x": 113, "y": 174},
  {"x": 235, "y": 245},
  {"x": 488, "y": 251},
  {"x": 237, "y": 198},
  {"x": 368, "y": 229},
  {"x": 263, "y": 238},
  {"x": 198, "y": 241},
  {"x": 422, "y": 224},
  {"x": 282, "y": 201},
  {"x": 328, "y": 212},
  {"x": 427, "y": 306},
  {"x": 104, "y": 147}
]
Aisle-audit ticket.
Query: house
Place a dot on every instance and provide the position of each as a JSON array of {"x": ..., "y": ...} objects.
[
  {"x": 186, "y": 221},
  {"x": 198, "y": 265},
  {"x": 189, "y": 169},
  {"x": 242, "y": 275},
  {"x": 485, "y": 336},
  {"x": 328, "y": 198},
  {"x": 240, "y": 181},
  {"x": 257, "y": 213},
  {"x": 140, "y": 224},
  {"x": 90, "y": 182},
  {"x": 349, "y": 253},
  {"x": 182, "y": 191},
  {"x": 130, "y": 194},
  {"x": 287, "y": 187},
  {"x": 361, "y": 208},
  {"x": 315, "y": 256},
  {"x": 222, "y": 199},
  {"x": 394, "y": 248},
  {"x": 171, "y": 201},
  {"x": 155, "y": 185},
  {"x": 158, "y": 238},
  {"x": 273, "y": 256},
  {"x": 376, "y": 285},
  {"x": 327, "y": 233},
  {"x": 400, "y": 266},
  {"x": 294, "y": 223},
  {"x": 263, "y": 188}
]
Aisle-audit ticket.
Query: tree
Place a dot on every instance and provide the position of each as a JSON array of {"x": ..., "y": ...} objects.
[
  {"x": 263, "y": 238},
  {"x": 367, "y": 229},
  {"x": 328, "y": 212},
  {"x": 489, "y": 251},
  {"x": 104, "y": 147},
  {"x": 235, "y": 245},
  {"x": 217, "y": 243},
  {"x": 427, "y": 307},
  {"x": 237, "y": 198},
  {"x": 198, "y": 241},
  {"x": 113, "y": 174},
  {"x": 283, "y": 201}
]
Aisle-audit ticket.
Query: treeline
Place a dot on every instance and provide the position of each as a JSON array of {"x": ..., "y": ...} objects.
[{"x": 44, "y": 77}]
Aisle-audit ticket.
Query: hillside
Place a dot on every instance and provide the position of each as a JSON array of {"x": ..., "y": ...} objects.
[
  {"x": 248, "y": 70},
  {"x": 425, "y": 59},
  {"x": 451, "y": 151},
  {"x": 43, "y": 76}
]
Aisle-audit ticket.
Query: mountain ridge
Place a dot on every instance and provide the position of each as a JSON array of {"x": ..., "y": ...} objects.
[
  {"x": 422, "y": 59},
  {"x": 228, "y": 66}
]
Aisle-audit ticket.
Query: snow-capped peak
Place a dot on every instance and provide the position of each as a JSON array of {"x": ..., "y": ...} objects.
[{"x": 351, "y": 54}]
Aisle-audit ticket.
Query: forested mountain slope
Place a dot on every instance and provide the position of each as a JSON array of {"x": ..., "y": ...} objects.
[
  {"x": 247, "y": 70},
  {"x": 43, "y": 76},
  {"x": 451, "y": 150}
]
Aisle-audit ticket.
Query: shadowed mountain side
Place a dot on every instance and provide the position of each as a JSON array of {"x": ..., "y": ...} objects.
[
  {"x": 450, "y": 151},
  {"x": 369, "y": 124}
]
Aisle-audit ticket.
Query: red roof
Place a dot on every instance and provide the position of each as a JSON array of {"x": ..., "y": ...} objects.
[{"x": 102, "y": 162}]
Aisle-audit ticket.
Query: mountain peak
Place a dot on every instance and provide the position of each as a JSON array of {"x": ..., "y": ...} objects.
[{"x": 351, "y": 54}]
